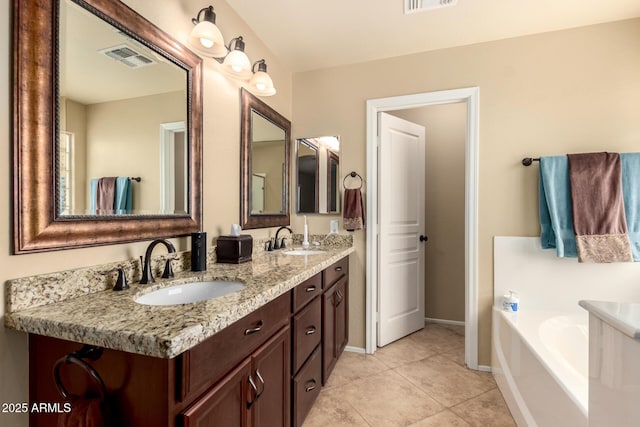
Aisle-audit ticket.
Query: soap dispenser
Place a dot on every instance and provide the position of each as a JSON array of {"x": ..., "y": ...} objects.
[{"x": 199, "y": 251}]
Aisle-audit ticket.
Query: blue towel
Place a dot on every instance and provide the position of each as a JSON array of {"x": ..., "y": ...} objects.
[
  {"x": 630, "y": 163},
  {"x": 556, "y": 215},
  {"x": 123, "y": 197},
  {"x": 93, "y": 196}
]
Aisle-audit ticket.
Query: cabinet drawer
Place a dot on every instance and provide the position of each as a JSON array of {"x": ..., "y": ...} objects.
[
  {"x": 205, "y": 364},
  {"x": 306, "y": 387},
  {"x": 306, "y": 332},
  {"x": 306, "y": 291},
  {"x": 335, "y": 271}
]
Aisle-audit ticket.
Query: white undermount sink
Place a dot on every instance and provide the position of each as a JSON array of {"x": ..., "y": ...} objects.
[
  {"x": 189, "y": 292},
  {"x": 304, "y": 252}
]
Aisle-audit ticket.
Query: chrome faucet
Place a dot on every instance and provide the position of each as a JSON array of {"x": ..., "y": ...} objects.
[
  {"x": 281, "y": 245},
  {"x": 147, "y": 275}
]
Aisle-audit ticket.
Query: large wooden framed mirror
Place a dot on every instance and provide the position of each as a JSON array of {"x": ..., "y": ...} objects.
[
  {"x": 264, "y": 165},
  {"x": 107, "y": 127}
]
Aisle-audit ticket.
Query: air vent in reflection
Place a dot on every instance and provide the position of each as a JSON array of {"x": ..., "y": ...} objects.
[
  {"x": 413, "y": 6},
  {"x": 127, "y": 56}
]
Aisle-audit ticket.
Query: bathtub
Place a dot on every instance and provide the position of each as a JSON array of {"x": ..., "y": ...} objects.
[{"x": 540, "y": 363}]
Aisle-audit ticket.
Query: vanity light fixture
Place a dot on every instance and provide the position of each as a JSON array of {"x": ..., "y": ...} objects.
[
  {"x": 261, "y": 84},
  {"x": 236, "y": 63},
  {"x": 206, "y": 38}
]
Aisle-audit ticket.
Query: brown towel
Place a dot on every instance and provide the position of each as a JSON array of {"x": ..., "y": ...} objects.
[
  {"x": 598, "y": 208},
  {"x": 353, "y": 213},
  {"x": 85, "y": 412},
  {"x": 105, "y": 196}
]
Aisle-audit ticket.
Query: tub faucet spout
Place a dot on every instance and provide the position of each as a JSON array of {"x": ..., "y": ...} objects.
[{"x": 147, "y": 274}]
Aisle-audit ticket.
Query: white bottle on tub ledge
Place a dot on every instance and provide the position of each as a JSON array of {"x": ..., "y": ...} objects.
[{"x": 510, "y": 302}]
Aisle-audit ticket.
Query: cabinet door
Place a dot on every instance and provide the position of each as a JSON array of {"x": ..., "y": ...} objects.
[
  {"x": 225, "y": 404},
  {"x": 271, "y": 375},
  {"x": 342, "y": 316},
  {"x": 335, "y": 325}
]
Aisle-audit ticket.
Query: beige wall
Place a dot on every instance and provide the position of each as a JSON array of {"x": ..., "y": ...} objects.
[
  {"x": 568, "y": 91},
  {"x": 221, "y": 152},
  {"x": 445, "y": 137},
  {"x": 124, "y": 141}
]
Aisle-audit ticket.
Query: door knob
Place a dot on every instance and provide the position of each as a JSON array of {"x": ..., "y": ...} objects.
[{"x": 423, "y": 238}]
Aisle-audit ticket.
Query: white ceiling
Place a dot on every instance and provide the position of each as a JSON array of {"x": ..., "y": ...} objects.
[{"x": 314, "y": 34}]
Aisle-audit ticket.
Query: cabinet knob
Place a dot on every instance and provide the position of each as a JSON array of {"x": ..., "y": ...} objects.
[
  {"x": 338, "y": 268},
  {"x": 310, "y": 330},
  {"x": 311, "y": 288},
  {"x": 311, "y": 385}
]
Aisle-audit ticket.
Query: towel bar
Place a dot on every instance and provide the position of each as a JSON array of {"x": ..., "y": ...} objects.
[{"x": 527, "y": 161}]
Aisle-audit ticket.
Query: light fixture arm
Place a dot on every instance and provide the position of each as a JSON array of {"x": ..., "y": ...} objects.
[
  {"x": 209, "y": 15},
  {"x": 262, "y": 66}
]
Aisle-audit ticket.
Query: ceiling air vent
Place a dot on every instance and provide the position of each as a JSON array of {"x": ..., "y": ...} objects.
[
  {"x": 127, "y": 55},
  {"x": 414, "y": 6}
]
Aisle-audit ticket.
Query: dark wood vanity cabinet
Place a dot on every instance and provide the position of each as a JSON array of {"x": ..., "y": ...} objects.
[
  {"x": 255, "y": 393},
  {"x": 266, "y": 369}
]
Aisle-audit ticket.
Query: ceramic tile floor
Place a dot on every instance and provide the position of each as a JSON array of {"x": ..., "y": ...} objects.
[{"x": 418, "y": 381}]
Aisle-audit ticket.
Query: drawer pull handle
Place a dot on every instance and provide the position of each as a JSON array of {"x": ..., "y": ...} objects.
[
  {"x": 311, "y": 288},
  {"x": 255, "y": 392},
  {"x": 262, "y": 382},
  {"x": 311, "y": 385},
  {"x": 310, "y": 331},
  {"x": 338, "y": 268},
  {"x": 254, "y": 330},
  {"x": 340, "y": 296}
]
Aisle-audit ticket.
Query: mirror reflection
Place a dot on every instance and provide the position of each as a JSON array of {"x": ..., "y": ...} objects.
[
  {"x": 265, "y": 137},
  {"x": 122, "y": 123},
  {"x": 267, "y": 166},
  {"x": 318, "y": 172}
]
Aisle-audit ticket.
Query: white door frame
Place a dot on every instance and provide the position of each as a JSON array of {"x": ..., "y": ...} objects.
[{"x": 470, "y": 96}]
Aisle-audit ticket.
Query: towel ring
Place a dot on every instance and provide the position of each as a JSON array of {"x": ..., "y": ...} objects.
[
  {"x": 76, "y": 359},
  {"x": 352, "y": 175}
]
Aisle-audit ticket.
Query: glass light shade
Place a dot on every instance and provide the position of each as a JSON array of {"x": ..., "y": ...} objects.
[
  {"x": 237, "y": 64},
  {"x": 261, "y": 84},
  {"x": 206, "y": 39}
]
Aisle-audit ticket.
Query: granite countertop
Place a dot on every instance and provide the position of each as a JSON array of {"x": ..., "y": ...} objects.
[
  {"x": 623, "y": 316},
  {"x": 114, "y": 320}
]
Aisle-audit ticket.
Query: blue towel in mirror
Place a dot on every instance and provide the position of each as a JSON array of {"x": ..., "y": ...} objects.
[{"x": 123, "y": 199}]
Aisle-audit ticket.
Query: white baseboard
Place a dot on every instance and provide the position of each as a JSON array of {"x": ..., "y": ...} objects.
[
  {"x": 484, "y": 368},
  {"x": 443, "y": 321},
  {"x": 355, "y": 349}
]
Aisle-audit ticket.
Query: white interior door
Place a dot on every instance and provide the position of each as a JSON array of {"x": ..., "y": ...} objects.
[{"x": 402, "y": 225}]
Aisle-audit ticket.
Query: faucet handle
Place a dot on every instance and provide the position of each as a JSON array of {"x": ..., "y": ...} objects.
[
  {"x": 276, "y": 246},
  {"x": 283, "y": 244},
  {"x": 121, "y": 281},
  {"x": 269, "y": 245},
  {"x": 168, "y": 270}
]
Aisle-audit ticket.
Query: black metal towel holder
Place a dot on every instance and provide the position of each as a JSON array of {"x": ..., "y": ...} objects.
[
  {"x": 76, "y": 358},
  {"x": 528, "y": 161},
  {"x": 352, "y": 174}
]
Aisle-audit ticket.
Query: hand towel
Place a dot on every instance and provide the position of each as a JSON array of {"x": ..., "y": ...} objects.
[
  {"x": 106, "y": 195},
  {"x": 598, "y": 208},
  {"x": 123, "y": 197},
  {"x": 93, "y": 196},
  {"x": 353, "y": 212},
  {"x": 556, "y": 216},
  {"x": 631, "y": 192},
  {"x": 85, "y": 412}
]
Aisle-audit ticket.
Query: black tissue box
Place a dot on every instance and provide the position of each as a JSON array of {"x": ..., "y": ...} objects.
[{"x": 234, "y": 249}]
